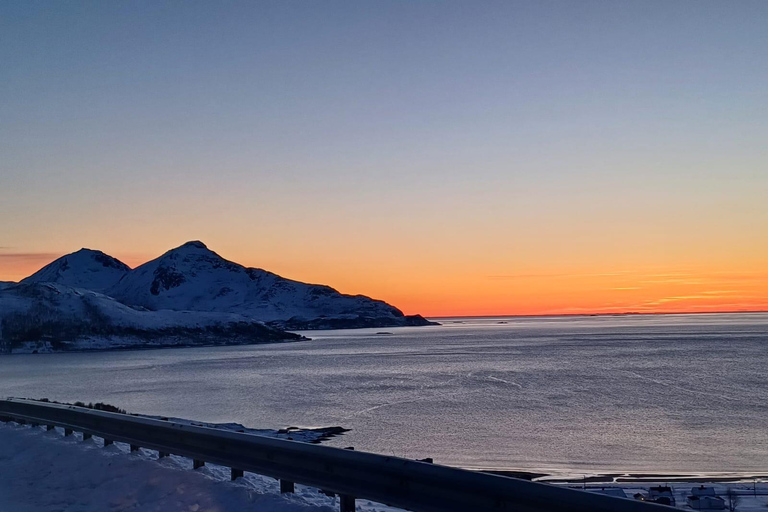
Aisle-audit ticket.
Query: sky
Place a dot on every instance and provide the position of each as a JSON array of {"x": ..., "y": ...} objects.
[{"x": 452, "y": 158}]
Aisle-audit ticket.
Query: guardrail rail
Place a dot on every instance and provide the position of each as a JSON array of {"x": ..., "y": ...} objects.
[{"x": 394, "y": 481}]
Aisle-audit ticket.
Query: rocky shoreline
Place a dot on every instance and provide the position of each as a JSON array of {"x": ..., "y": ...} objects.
[{"x": 609, "y": 478}]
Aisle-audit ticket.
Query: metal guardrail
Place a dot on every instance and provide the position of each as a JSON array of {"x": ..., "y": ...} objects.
[{"x": 398, "y": 482}]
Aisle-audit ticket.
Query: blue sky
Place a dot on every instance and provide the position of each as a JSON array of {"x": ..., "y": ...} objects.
[{"x": 256, "y": 125}]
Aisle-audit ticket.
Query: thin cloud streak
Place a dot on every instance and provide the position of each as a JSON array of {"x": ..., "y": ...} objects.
[
  {"x": 28, "y": 257},
  {"x": 532, "y": 276},
  {"x": 684, "y": 277}
]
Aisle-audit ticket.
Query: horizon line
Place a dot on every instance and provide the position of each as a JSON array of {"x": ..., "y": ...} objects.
[{"x": 629, "y": 313}]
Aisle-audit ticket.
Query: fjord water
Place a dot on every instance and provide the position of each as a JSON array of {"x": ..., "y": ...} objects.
[{"x": 682, "y": 394}]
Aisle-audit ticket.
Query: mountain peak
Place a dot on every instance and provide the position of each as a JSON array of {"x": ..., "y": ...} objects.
[
  {"x": 194, "y": 250},
  {"x": 191, "y": 248},
  {"x": 197, "y": 244},
  {"x": 86, "y": 268},
  {"x": 85, "y": 252}
]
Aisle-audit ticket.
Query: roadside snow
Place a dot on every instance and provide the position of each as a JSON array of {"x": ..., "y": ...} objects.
[{"x": 46, "y": 472}]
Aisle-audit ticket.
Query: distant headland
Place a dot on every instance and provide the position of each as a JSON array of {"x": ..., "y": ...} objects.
[{"x": 88, "y": 300}]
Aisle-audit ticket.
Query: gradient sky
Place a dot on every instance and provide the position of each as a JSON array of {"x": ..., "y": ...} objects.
[{"x": 448, "y": 157}]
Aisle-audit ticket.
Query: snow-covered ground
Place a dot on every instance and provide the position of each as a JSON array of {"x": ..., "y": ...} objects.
[{"x": 44, "y": 471}]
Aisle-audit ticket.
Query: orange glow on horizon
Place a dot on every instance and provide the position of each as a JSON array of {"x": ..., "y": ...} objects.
[
  {"x": 432, "y": 294},
  {"x": 633, "y": 293}
]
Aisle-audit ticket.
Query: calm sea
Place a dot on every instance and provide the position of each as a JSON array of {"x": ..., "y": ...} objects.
[{"x": 685, "y": 394}]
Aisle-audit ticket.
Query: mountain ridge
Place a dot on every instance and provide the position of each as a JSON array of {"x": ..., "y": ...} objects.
[
  {"x": 193, "y": 277},
  {"x": 189, "y": 292}
]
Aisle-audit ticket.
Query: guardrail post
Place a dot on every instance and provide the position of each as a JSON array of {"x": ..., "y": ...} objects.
[
  {"x": 48, "y": 428},
  {"x": 346, "y": 503},
  {"x": 87, "y": 436},
  {"x": 161, "y": 455},
  {"x": 107, "y": 442},
  {"x": 67, "y": 432},
  {"x": 134, "y": 448},
  {"x": 236, "y": 473},
  {"x": 286, "y": 487},
  {"x": 196, "y": 464}
]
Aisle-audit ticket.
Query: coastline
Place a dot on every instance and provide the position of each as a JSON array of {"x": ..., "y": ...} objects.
[
  {"x": 587, "y": 315},
  {"x": 638, "y": 478},
  {"x": 82, "y": 346}
]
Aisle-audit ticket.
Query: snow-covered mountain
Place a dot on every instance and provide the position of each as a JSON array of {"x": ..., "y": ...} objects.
[
  {"x": 188, "y": 296},
  {"x": 86, "y": 268},
  {"x": 51, "y": 316},
  {"x": 192, "y": 277}
]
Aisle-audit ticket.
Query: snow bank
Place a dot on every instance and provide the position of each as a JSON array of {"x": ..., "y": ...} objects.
[{"x": 46, "y": 472}]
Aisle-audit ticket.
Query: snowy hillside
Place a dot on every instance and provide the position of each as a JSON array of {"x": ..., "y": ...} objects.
[
  {"x": 92, "y": 270},
  {"x": 192, "y": 277},
  {"x": 188, "y": 296},
  {"x": 49, "y": 316}
]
